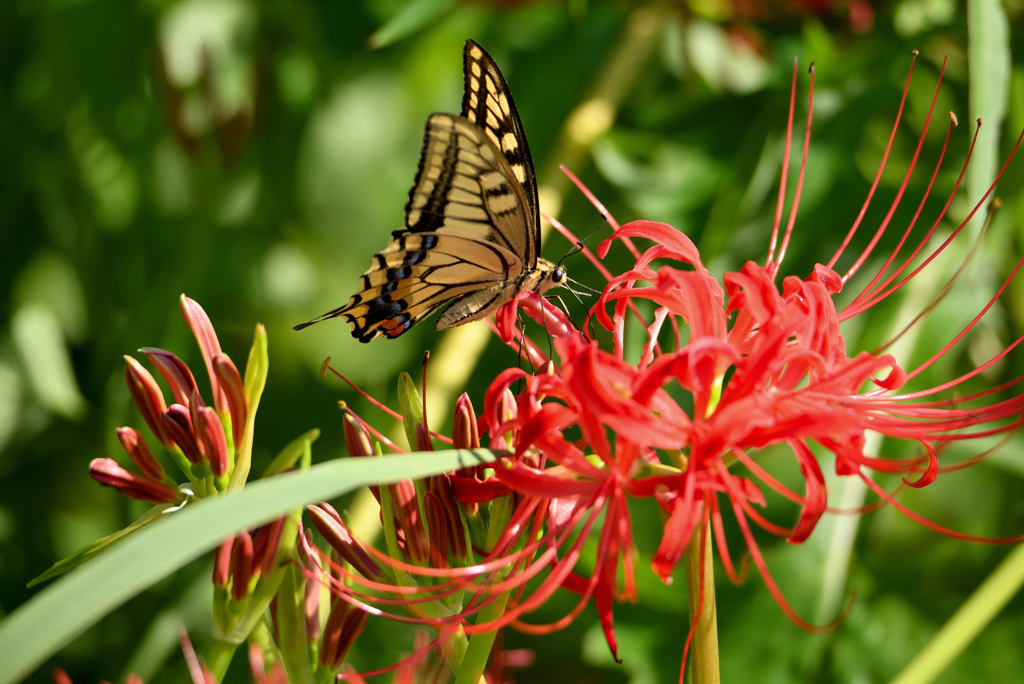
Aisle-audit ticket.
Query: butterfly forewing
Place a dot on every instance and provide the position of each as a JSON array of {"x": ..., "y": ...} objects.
[
  {"x": 487, "y": 102},
  {"x": 464, "y": 186}
]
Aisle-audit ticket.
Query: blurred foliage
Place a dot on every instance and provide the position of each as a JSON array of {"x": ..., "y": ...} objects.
[{"x": 255, "y": 153}]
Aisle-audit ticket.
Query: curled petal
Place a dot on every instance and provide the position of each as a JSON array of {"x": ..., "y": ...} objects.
[{"x": 816, "y": 497}]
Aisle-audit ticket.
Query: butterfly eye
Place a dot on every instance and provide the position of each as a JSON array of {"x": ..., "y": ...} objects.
[{"x": 558, "y": 276}]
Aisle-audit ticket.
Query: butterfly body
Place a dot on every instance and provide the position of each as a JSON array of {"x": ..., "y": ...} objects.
[{"x": 472, "y": 223}]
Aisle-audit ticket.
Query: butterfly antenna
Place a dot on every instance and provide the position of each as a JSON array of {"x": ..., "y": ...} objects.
[{"x": 578, "y": 247}]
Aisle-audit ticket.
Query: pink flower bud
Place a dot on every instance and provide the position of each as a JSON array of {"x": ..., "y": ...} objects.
[
  {"x": 107, "y": 472},
  {"x": 241, "y": 566},
  {"x": 357, "y": 439},
  {"x": 222, "y": 563},
  {"x": 344, "y": 624},
  {"x": 209, "y": 435},
  {"x": 434, "y": 513},
  {"x": 407, "y": 514},
  {"x": 147, "y": 395},
  {"x": 265, "y": 545},
  {"x": 177, "y": 424},
  {"x": 200, "y": 325},
  {"x": 135, "y": 444},
  {"x": 442, "y": 488},
  {"x": 174, "y": 372},
  {"x": 465, "y": 433},
  {"x": 330, "y": 525},
  {"x": 231, "y": 382},
  {"x": 423, "y": 442}
]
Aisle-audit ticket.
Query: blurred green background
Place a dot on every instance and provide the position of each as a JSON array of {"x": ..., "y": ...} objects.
[{"x": 254, "y": 154}]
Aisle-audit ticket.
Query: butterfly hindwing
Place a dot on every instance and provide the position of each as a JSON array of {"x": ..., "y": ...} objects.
[{"x": 420, "y": 272}]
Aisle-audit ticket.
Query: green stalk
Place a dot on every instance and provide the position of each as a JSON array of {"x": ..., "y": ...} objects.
[
  {"x": 974, "y": 615},
  {"x": 219, "y": 657},
  {"x": 472, "y": 668},
  {"x": 704, "y": 647}
]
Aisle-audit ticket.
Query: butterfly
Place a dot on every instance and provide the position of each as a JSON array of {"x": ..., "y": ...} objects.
[{"x": 472, "y": 222}]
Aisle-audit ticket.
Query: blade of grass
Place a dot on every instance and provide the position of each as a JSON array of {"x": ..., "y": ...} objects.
[{"x": 65, "y": 609}]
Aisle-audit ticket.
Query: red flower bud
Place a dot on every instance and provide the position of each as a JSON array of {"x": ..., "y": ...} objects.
[
  {"x": 333, "y": 529},
  {"x": 147, "y": 395},
  {"x": 465, "y": 432},
  {"x": 344, "y": 624},
  {"x": 200, "y": 325},
  {"x": 135, "y": 444},
  {"x": 222, "y": 563},
  {"x": 241, "y": 566},
  {"x": 107, "y": 472},
  {"x": 437, "y": 523},
  {"x": 407, "y": 514},
  {"x": 357, "y": 441},
  {"x": 423, "y": 442},
  {"x": 441, "y": 487},
  {"x": 265, "y": 545},
  {"x": 231, "y": 382},
  {"x": 174, "y": 372},
  {"x": 209, "y": 435},
  {"x": 177, "y": 426}
]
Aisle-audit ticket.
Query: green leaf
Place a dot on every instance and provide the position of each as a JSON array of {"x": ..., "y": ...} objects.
[
  {"x": 411, "y": 404},
  {"x": 290, "y": 454},
  {"x": 90, "y": 551},
  {"x": 65, "y": 609},
  {"x": 988, "y": 38},
  {"x": 255, "y": 380},
  {"x": 414, "y": 16}
]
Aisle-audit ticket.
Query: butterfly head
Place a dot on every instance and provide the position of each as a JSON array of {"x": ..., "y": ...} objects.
[{"x": 549, "y": 275}]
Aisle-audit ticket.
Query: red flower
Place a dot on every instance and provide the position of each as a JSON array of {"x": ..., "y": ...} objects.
[{"x": 764, "y": 366}]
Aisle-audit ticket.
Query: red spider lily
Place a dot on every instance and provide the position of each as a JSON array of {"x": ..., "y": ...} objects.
[{"x": 765, "y": 366}]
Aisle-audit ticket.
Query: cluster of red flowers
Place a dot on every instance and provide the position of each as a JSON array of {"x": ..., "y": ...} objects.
[{"x": 762, "y": 366}]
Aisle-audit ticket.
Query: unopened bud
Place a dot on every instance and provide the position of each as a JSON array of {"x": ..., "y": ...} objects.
[
  {"x": 241, "y": 566},
  {"x": 465, "y": 433},
  {"x": 177, "y": 424},
  {"x": 434, "y": 513},
  {"x": 333, "y": 529},
  {"x": 234, "y": 391},
  {"x": 147, "y": 395},
  {"x": 200, "y": 325},
  {"x": 423, "y": 441},
  {"x": 344, "y": 624},
  {"x": 209, "y": 433},
  {"x": 222, "y": 563},
  {"x": 135, "y": 444},
  {"x": 107, "y": 472},
  {"x": 174, "y": 372},
  {"x": 265, "y": 544}
]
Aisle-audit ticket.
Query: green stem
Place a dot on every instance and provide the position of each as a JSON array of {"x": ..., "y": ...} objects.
[
  {"x": 977, "y": 612},
  {"x": 472, "y": 668},
  {"x": 704, "y": 647},
  {"x": 219, "y": 657}
]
